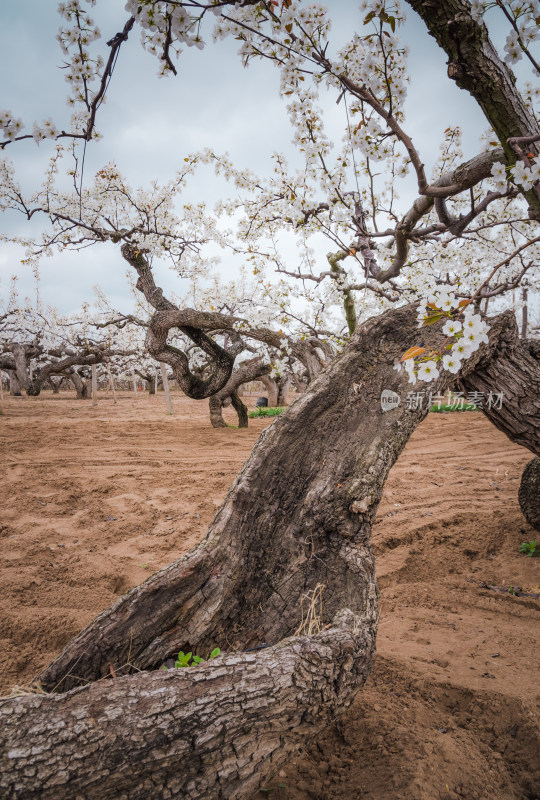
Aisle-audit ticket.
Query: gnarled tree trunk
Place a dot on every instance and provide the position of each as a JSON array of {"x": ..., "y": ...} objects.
[
  {"x": 246, "y": 371},
  {"x": 44, "y": 373},
  {"x": 284, "y": 389},
  {"x": 510, "y": 369},
  {"x": 294, "y": 526}
]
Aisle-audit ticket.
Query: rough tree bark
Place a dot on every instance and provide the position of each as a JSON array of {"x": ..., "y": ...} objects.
[
  {"x": 514, "y": 371},
  {"x": 296, "y": 520},
  {"x": 529, "y": 493}
]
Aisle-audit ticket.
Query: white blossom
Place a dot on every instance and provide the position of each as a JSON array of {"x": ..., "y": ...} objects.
[
  {"x": 451, "y": 327},
  {"x": 451, "y": 364},
  {"x": 522, "y": 175},
  {"x": 498, "y": 171},
  {"x": 427, "y": 371}
]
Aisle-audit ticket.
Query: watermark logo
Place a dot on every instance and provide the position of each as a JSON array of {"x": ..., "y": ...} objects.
[
  {"x": 389, "y": 400},
  {"x": 452, "y": 401}
]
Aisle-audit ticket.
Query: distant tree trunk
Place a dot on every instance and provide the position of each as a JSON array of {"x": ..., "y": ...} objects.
[
  {"x": 166, "y": 389},
  {"x": 287, "y": 555},
  {"x": 81, "y": 386},
  {"x": 111, "y": 385},
  {"x": 284, "y": 386},
  {"x": 21, "y": 366},
  {"x": 55, "y": 384},
  {"x": 15, "y": 387},
  {"x": 246, "y": 371},
  {"x": 94, "y": 384},
  {"x": 278, "y": 390},
  {"x": 240, "y": 408},
  {"x": 149, "y": 379},
  {"x": 216, "y": 415},
  {"x": 524, "y": 312},
  {"x": 272, "y": 390}
]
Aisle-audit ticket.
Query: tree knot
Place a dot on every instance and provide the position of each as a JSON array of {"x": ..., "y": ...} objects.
[{"x": 361, "y": 506}]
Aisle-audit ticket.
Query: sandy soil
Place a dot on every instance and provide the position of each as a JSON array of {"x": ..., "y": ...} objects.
[{"x": 93, "y": 500}]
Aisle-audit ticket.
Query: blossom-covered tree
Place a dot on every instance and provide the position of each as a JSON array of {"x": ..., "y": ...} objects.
[
  {"x": 296, "y": 523},
  {"x": 36, "y": 344}
]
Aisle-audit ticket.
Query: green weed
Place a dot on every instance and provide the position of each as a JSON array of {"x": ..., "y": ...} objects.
[
  {"x": 189, "y": 660},
  {"x": 530, "y": 549},
  {"x": 266, "y": 412}
]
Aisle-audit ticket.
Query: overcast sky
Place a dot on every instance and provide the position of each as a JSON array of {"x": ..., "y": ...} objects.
[{"x": 148, "y": 124}]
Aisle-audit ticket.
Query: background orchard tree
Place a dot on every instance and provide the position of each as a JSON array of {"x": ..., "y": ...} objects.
[
  {"x": 146, "y": 226},
  {"x": 37, "y": 344},
  {"x": 299, "y": 515}
]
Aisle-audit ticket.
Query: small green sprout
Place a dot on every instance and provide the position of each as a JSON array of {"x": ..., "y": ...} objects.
[
  {"x": 189, "y": 660},
  {"x": 183, "y": 659},
  {"x": 530, "y": 549}
]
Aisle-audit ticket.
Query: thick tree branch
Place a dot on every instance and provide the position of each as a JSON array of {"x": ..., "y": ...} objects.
[{"x": 475, "y": 65}]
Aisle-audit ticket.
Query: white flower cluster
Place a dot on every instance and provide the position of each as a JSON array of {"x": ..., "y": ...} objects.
[
  {"x": 498, "y": 172},
  {"x": 468, "y": 334},
  {"x": 47, "y": 130},
  {"x": 81, "y": 69},
  {"x": 531, "y": 95},
  {"x": 279, "y": 367},
  {"x": 527, "y": 32},
  {"x": 11, "y": 126},
  {"x": 74, "y": 40},
  {"x": 477, "y": 10},
  {"x": 524, "y": 15},
  {"x": 526, "y": 176},
  {"x": 169, "y": 24},
  {"x": 522, "y": 175}
]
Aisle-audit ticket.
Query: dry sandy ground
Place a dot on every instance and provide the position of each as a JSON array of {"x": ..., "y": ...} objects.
[{"x": 93, "y": 500}]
